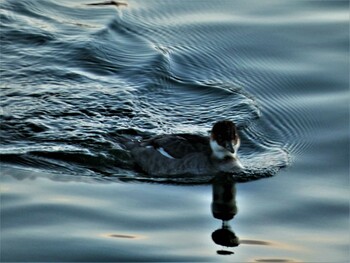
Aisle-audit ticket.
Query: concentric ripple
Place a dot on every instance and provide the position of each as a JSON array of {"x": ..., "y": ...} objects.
[{"x": 71, "y": 96}]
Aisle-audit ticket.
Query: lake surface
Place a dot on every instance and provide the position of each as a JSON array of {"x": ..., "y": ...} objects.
[{"x": 77, "y": 80}]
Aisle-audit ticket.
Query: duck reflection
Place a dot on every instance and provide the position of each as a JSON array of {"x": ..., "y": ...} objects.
[{"x": 224, "y": 208}]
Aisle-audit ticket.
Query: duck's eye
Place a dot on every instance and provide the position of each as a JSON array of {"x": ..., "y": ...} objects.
[{"x": 220, "y": 139}]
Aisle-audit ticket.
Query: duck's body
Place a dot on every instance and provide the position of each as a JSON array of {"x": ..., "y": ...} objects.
[{"x": 179, "y": 154}]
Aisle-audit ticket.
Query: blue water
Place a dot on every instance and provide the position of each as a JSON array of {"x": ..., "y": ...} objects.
[{"x": 77, "y": 80}]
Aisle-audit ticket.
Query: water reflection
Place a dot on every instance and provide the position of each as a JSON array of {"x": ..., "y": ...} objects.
[{"x": 224, "y": 208}]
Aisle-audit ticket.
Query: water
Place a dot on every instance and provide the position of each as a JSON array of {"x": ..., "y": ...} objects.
[{"x": 77, "y": 80}]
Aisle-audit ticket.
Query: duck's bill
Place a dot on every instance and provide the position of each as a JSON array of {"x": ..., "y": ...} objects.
[{"x": 229, "y": 147}]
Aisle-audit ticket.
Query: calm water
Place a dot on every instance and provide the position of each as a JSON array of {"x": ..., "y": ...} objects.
[{"x": 77, "y": 80}]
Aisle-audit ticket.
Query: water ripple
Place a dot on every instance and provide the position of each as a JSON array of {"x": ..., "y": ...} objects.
[{"x": 80, "y": 82}]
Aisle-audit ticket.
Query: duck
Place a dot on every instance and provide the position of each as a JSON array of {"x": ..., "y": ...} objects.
[{"x": 182, "y": 154}]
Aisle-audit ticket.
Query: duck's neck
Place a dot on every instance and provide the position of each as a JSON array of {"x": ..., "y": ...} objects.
[
  {"x": 219, "y": 152},
  {"x": 226, "y": 161}
]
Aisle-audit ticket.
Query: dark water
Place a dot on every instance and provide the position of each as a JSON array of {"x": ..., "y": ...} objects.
[{"x": 77, "y": 80}]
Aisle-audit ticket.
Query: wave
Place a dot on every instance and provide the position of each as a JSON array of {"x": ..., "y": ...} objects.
[{"x": 80, "y": 81}]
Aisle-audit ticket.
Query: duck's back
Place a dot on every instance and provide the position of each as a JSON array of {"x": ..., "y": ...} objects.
[
  {"x": 179, "y": 145},
  {"x": 174, "y": 154}
]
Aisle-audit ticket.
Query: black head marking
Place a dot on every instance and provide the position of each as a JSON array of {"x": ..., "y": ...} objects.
[{"x": 224, "y": 131}]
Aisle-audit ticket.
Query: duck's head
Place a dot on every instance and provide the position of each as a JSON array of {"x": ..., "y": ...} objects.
[{"x": 224, "y": 140}]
